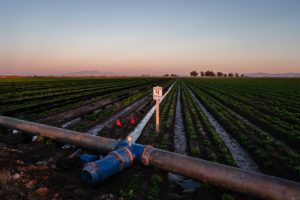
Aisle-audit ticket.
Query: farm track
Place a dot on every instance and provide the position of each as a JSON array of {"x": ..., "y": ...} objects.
[{"x": 239, "y": 154}]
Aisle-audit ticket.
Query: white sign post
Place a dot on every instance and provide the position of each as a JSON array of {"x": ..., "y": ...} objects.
[{"x": 157, "y": 95}]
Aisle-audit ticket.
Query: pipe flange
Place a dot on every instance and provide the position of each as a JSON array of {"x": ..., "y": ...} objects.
[
  {"x": 130, "y": 155},
  {"x": 146, "y": 154}
]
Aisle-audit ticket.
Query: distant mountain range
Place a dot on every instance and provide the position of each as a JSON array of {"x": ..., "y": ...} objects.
[
  {"x": 91, "y": 73},
  {"x": 273, "y": 75}
]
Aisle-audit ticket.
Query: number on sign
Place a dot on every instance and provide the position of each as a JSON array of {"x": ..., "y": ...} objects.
[{"x": 157, "y": 92}]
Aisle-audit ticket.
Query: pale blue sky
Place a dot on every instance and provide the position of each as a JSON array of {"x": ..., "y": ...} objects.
[{"x": 134, "y": 37}]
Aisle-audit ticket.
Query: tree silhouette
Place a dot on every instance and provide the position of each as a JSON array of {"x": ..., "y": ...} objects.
[
  {"x": 219, "y": 74},
  {"x": 194, "y": 73}
]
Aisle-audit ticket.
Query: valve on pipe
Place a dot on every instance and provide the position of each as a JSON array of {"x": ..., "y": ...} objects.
[{"x": 115, "y": 162}]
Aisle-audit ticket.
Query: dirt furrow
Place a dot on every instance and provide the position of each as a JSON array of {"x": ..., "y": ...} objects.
[
  {"x": 239, "y": 154},
  {"x": 180, "y": 144}
]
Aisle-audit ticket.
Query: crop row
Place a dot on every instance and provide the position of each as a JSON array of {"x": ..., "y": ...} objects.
[
  {"x": 7, "y": 99},
  {"x": 203, "y": 139},
  {"x": 265, "y": 104},
  {"x": 63, "y": 100},
  {"x": 28, "y": 86},
  {"x": 23, "y": 91},
  {"x": 270, "y": 155},
  {"x": 280, "y": 129},
  {"x": 281, "y": 93}
]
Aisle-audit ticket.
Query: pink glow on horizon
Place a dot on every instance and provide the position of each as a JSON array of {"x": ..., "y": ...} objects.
[{"x": 130, "y": 65}]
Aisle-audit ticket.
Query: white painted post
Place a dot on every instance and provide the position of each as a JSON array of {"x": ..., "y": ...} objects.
[{"x": 157, "y": 95}]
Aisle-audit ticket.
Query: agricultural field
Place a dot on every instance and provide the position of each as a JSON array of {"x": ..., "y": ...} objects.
[{"x": 250, "y": 123}]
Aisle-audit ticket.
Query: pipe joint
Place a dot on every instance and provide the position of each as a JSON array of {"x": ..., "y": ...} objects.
[{"x": 115, "y": 162}]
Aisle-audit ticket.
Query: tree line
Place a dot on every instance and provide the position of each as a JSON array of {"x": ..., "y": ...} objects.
[{"x": 213, "y": 74}]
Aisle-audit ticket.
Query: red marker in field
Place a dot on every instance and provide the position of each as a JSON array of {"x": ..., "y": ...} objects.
[
  {"x": 132, "y": 121},
  {"x": 118, "y": 123}
]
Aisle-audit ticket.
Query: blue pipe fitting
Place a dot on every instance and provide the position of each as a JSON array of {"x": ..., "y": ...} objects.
[
  {"x": 121, "y": 143},
  {"x": 137, "y": 150},
  {"x": 115, "y": 162},
  {"x": 85, "y": 158}
]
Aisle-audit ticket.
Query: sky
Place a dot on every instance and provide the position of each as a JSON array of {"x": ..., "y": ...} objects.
[{"x": 133, "y": 37}]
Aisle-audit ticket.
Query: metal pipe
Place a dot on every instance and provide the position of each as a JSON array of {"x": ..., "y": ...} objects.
[
  {"x": 256, "y": 184},
  {"x": 100, "y": 144},
  {"x": 232, "y": 178}
]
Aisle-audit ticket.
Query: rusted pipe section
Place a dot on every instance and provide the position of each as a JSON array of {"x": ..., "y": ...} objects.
[
  {"x": 100, "y": 144},
  {"x": 259, "y": 185}
]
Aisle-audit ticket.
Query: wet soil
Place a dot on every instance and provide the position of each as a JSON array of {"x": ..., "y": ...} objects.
[
  {"x": 240, "y": 155},
  {"x": 180, "y": 146}
]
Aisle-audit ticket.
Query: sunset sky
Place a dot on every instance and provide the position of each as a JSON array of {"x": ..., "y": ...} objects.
[{"x": 149, "y": 37}]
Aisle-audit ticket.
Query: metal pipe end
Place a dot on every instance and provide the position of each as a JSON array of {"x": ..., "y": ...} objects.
[{"x": 89, "y": 174}]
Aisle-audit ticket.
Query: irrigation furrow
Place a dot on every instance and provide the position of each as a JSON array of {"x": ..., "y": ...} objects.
[
  {"x": 75, "y": 113},
  {"x": 247, "y": 122},
  {"x": 71, "y": 123},
  {"x": 180, "y": 144},
  {"x": 239, "y": 154},
  {"x": 98, "y": 128},
  {"x": 71, "y": 117},
  {"x": 139, "y": 128}
]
